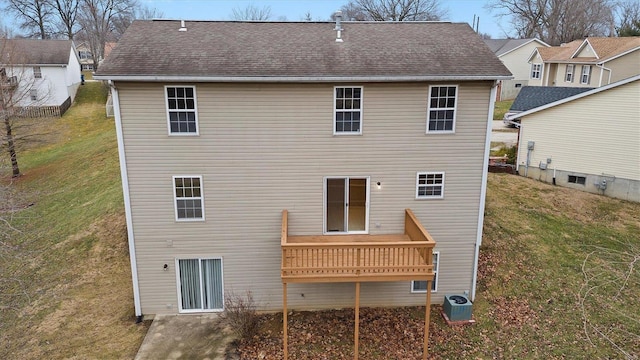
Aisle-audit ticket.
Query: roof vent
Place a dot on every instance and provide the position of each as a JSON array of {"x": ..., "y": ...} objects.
[
  {"x": 338, "y": 28},
  {"x": 183, "y": 27}
]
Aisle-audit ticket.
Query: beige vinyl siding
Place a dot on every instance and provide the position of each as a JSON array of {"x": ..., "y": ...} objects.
[
  {"x": 623, "y": 67},
  {"x": 266, "y": 147},
  {"x": 597, "y": 134},
  {"x": 516, "y": 61}
]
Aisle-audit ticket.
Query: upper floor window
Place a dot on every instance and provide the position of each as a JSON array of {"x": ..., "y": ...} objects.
[
  {"x": 34, "y": 94},
  {"x": 441, "y": 112},
  {"x": 348, "y": 110},
  {"x": 189, "y": 200},
  {"x": 536, "y": 69},
  {"x": 182, "y": 114},
  {"x": 430, "y": 185},
  {"x": 37, "y": 72},
  {"x": 586, "y": 74},
  {"x": 568, "y": 77},
  {"x": 83, "y": 54}
]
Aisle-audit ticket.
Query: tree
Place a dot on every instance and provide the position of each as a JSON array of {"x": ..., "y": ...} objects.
[
  {"x": 557, "y": 21},
  {"x": 628, "y": 18},
  {"x": 393, "y": 10},
  {"x": 66, "y": 14},
  {"x": 17, "y": 83},
  {"x": 251, "y": 12},
  {"x": 98, "y": 18},
  {"x": 34, "y": 16}
]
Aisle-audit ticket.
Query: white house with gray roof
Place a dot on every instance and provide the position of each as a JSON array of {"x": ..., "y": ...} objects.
[
  {"x": 252, "y": 144},
  {"x": 46, "y": 72},
  {"x": 514, "y": 54}
]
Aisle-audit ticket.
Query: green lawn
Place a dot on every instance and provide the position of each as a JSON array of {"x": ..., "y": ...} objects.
[
  {"x": 68, "y": 289},
  {"x": 556, "y": 268},
  {"x": 501, "y": 108}
]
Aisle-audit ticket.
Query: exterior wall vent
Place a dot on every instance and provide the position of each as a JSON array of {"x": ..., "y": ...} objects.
[
  {"x": 183, "y": 27},
  {"x": 457, "y": 307}
]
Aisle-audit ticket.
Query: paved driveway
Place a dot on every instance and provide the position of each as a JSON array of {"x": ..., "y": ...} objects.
[{"x": 503, "y": 134}]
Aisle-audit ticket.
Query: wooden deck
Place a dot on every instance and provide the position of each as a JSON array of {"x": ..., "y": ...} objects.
[{"x": 358, "y": 258}]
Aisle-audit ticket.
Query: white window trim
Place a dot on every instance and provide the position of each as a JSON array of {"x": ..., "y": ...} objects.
[
  {"x": 324, "y": 206},
  {"x": 455, "y": 110},
  {"x": 588, "y": 74},
  {"x": 341, "y": 133},
  {"x": 570, "y": 73},
  {"x": 38, "y": 72},
  {"x": 175, "y": 198},
  {"x": 435, "y": 280},
  {"x": 195, "y": 105},
  {"x": 424, "y": 197},
  {"x": 539, "y": 71},
  {"x": 177, "y": 267}
]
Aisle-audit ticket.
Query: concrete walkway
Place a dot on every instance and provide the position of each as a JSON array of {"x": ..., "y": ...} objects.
[{"x": 185, "y": 337}]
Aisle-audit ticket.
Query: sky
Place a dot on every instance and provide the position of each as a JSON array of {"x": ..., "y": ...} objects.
[{"x": 294, "y": 10}]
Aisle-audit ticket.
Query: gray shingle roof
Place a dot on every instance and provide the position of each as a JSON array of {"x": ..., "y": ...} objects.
[
  {"x": 301, "y": 49},
  {"x": 35, "y": 52},
  {"x": 502, "y": 46},
  {"x": 534, "y": 96}
]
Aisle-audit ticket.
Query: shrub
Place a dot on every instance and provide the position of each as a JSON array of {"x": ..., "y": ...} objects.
[{"x": 240, "y": 315}]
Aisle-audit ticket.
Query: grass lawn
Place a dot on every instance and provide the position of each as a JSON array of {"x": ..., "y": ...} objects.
[
  {"x": 556, "y": 273},
  {"x": 66, "y": 281},
  {"x": 501, "y": 108}
]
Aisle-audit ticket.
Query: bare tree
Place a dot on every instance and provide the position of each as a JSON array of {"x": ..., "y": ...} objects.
[
  {"x": 138, "y": 12},
  {"x": 98, "y": 18},
  {"x": 66, "y": 14},
  {"x": 19, "y": 90},
  {"x": 251, "y": 12},
  {"x": 34, "y": 16},
  {"x": 394, "y": 10},
  {"x": 557, "y": 21},
  {"x": 628, "y": 14}
]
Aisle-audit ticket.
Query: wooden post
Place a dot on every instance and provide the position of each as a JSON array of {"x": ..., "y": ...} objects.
[
  {"x": 425, "y": 352},
  {"x": 357, "y": 330},
  {"x": 284, "y": 320}
]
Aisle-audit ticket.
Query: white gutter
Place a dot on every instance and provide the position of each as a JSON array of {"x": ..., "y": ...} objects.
[
  {"x": 275, "y": 79},
  {"x": 483, "y": 191},
  {"x": 127, "y": 200}
]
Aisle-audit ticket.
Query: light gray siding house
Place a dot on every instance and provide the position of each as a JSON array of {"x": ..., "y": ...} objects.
[
  {"x": 343, "y": 129},
  {"x": 589, "y": 141}
]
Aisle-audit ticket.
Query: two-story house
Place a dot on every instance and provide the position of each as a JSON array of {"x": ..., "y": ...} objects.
[
  {"x": 514, "y": 54},
  {"x": 592, "y": 62},
  {"x": 309, "y": 154},
  {"x": 46, "y": 74}
]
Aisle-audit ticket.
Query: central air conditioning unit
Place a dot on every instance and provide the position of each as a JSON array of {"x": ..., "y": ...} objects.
[{"x": 457, "y": 307}]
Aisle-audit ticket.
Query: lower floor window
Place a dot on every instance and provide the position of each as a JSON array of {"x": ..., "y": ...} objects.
[
  {"x": 581, "y": 180},
  {"x": 421, "y": 286},
  {"x": 200, "y": 282}
]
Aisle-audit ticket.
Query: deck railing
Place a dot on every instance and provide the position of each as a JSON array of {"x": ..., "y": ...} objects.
[{"x": 344, "y": 261}]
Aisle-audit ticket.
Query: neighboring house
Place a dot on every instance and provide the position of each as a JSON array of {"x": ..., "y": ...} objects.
[
  {"x": 47, "y": 73},
  {"x": 535, "y": 96},
  {"x": 592, "y": 62},
  {"x": 343, "y": 130},
  {"x": 85, "y": 56},
  {"x": 514, "y": 54},
  {"x": 589, "y": 141}
]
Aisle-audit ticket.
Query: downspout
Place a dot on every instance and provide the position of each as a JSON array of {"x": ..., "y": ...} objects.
[
  {"x": 127, "y": 201},
  {"x": 483, "y": 190},
  {"x": 602, "y": 69}
]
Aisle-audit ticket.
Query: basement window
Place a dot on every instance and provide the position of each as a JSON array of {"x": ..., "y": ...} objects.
[
  {"x": 421, "y": 286},
  {"x": 580, "y": 180}
]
